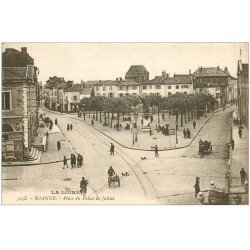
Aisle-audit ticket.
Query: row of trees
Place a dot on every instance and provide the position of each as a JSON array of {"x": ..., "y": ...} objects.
[{"x": 179, "y": 105}]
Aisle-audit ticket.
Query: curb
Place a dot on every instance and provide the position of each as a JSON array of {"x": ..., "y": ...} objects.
[{"x": 147, "y": 150}]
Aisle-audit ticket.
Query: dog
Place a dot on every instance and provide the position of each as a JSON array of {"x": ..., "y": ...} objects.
[
  {"x": 144, "y": 158},
  {"x": 125, "y": 174}
]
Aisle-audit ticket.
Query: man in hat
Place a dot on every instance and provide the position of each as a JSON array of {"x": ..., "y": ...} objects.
[
  {"x": 83, "y": 186},
  {"x": 111, "y": 171},
  {"x": 112, "y": 149},
  {"x": 58, "y": 145},
  {"x": 197, "y": 186},
  {"x": 243, "y": 176},
  {"x": 156, "y": 151}
]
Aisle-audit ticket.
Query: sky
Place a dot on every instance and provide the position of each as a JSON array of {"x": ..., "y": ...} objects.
[{"x": 107, "y": 61}]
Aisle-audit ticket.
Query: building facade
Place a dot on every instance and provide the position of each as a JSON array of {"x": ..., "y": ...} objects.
[
  {"x": 20, "y": 103},
  {"x": 213, "y": 80},
  {"x": 243, "y": 96}
]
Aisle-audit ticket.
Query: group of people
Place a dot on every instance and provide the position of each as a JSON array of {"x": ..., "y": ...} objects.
[
  {"x": 186, "y": 133},
  {"x": 69, "y": 127},
  {"x": 164, "y": 129},
  {"x": 74, "y": 161},
  {"x": 237, "y": 122}
]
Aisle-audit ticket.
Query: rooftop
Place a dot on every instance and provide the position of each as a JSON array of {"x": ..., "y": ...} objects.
[
  {"x": 18, "y": 73},
  {"x": 136, "y": 69},
  {"x": 213, "y": 71}
]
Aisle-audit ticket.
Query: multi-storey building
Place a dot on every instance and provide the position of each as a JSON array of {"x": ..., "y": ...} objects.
[
  {"x": 137, "y": 73},
  {"x": 243, "y": 98},
  {"x": 213, "y": 80},
  {"x": 20, "y": 104}
]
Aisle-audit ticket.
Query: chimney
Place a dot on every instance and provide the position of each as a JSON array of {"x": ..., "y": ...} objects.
[
  {"x": 117, "y": 79},
  {"x": 218, "y": 68},
  {"x": 163, "y": 73},
  {"x": 190, "y": 72},
  {"x": 24, "y": 50},
  {"x": 7, "y": 50},
  {"x": 226, "y": 70},
  {"x": 100, "y": 81},
  {"x": 120, "y": 79}
]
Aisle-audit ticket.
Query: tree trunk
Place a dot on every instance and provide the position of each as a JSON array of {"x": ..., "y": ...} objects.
[
  {"x": 185, "y": 117},
  {"x": 123, "y": 117},
  {"x": 169, "y": 114},
  {"x": 105, "y": 118},
  {"x": 192, "y": 114},
  {"x": 158, "y": 116},
  {"x": 177, "y": 118},
  {"x": 188, "y": 116},
  {"x": 118, "y": 121},
  {"x": 96, "y": 115},
  {"x": 111, "y": 122},
  {"x": 89, "y": 113},
  {"x": 181, "y": 119},
  {"x": 100, "y": 116}
]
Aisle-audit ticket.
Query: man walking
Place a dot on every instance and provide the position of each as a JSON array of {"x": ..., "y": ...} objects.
[
  {"x": 71, "y": 127},
  {"x": 197, "y": 186},
  {"x": 83, "y": 186},
  {"x": 58, "y": 145},
  {"x": 156, "y": 151},
  {"x": 112, "y": 149},
  {"x": 184, "y": 133},
  {"x": 194, "y": 124},
  {"x": 243, "y": 176},
  {"x": 68, "y": 127},
  {"x": 65, "y": 162}
]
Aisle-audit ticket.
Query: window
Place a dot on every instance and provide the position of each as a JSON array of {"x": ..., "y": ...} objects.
[
  {"x": 150, "y": 86},
  {"x": 97, "y": 88},
  {"x": 120, "y": 87},
  {"x": 6, "y": 100},
  {"x": 217, "y": 95},
  {"x": 121, "y": 95},
  {"x": 144, "y": 87},
  {"x": 169, "y": 87},
  {"x": 158, "y": 86},
  {"x": 177, "y": 87},
  {"x": 134, "y": 87},
  {"x": 104, "y": 88},
  {"x": 74, "y": 97},
  {"x": 217, "y": 89},
  {"x": 157, "y": 93},
  {"x": 184, "y": 86}
]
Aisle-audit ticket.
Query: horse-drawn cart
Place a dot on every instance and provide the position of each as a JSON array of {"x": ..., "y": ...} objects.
[{"x": 114, "y": 179}]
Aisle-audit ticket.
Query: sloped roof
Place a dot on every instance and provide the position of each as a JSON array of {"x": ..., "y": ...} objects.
[
  {"x": 213, "y": 71},
  {"x": 105, "y": 82},
  {"x": 179, "y": 79},
  {"x": 14, "y": 73},
  {"x": 86, "y": 91},
  {"x": 157, "y": 80},
  {"x": 245, "y": 68},
  {"x": 74, "y": 88},
  {"x": 136, "y": 69},
  {"x": 128, "y": 83}
]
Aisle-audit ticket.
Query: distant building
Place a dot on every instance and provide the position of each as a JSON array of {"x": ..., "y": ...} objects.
[
  {"x": 54, "y": 92},
  {"x": 213, "y": 80},
  {"x": 243, "y": 98},
  {"x": 20, "y": 103},
  {"x": 137, "y": 73},
  {"x": 71, "y": 100}
]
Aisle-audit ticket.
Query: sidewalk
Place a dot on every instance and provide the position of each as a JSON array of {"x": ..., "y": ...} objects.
[
  {"x": 145, "y": 141},
  {"x": 239, "y": 159}
]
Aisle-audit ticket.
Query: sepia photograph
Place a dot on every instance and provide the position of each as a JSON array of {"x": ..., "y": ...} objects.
[{"x": 125, "y": 123}]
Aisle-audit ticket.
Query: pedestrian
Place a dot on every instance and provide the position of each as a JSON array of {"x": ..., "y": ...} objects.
[
  {"x": 167, "y": 130},
  {"x": 80, "y": 161},
  {"x": 240, "y": 132},
  {"x": 240, "y": 122},
  {"x": 58, "y": 145},
  {"x": 151, "y": 118},
  {"x": 194, "y": 124},
  {"x": 71, "y": 127},
  {"x": 83, "y": 186},
  {"x": 92, "y": 122},
  {"x": 112, "y": 149},
  {"x": 156, "y": 151},
  {"x": 47, "y": 134},
  {"x": 74, "y": 161},
  {"x": 142, "y": 122},
  {"x": 111, "y": 171},
  {"x": 68, "y": 127},
  {"x": 56, "y": 121},
  {"x": 188, "y": 133},
  {"x": 65, "y": 162},
  {"x": 150, "y": 131},
  {"x": 243, "y": 176},
  {"x": 184, "y": 133},
  {"x": 197, "y": 186},
  {"x": 71, "y": 161},
  {"x": 232, "y": 143}
]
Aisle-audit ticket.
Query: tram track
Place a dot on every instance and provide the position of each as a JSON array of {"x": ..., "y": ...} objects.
[{"x": 126, "y": 157}]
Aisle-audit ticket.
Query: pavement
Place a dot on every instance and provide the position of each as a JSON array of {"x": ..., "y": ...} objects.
[
  {"x": 239, "y": 159},
  {"x": 145, "y": 140}
]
